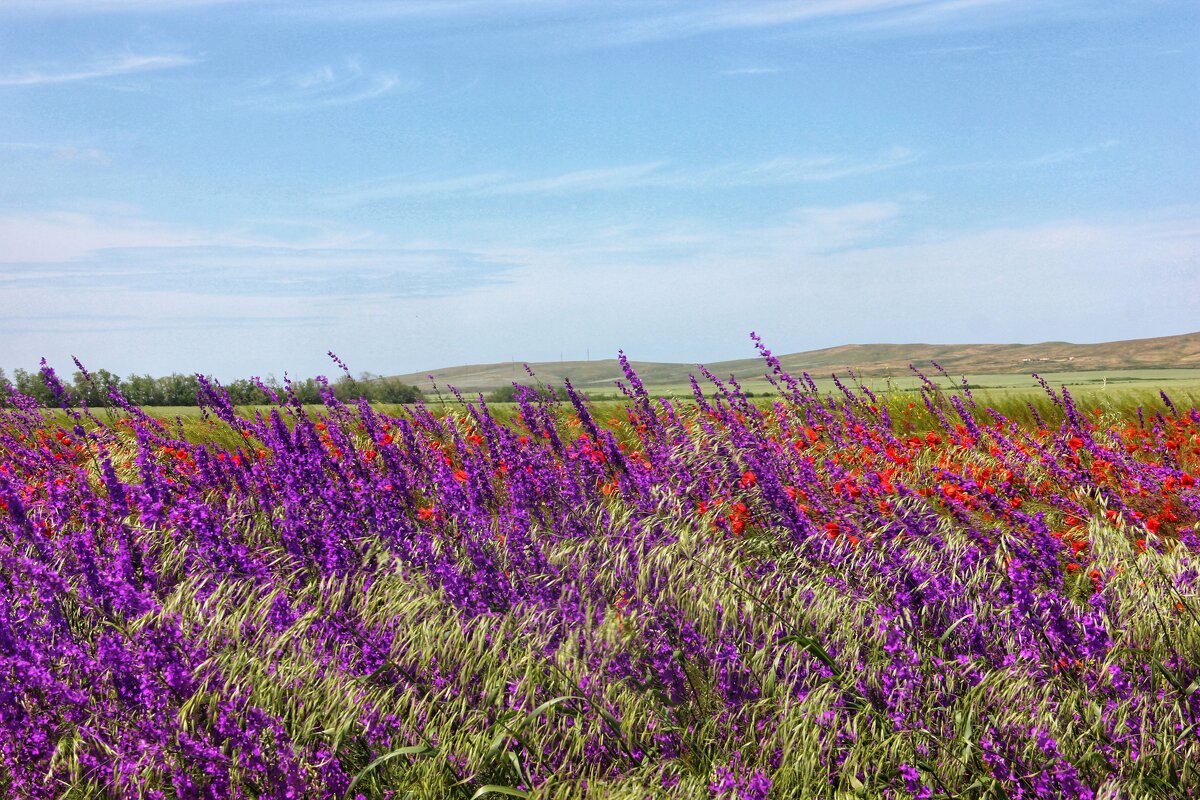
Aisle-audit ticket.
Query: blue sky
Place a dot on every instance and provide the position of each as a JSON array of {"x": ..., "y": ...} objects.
[{"x": 237, "y": 186}]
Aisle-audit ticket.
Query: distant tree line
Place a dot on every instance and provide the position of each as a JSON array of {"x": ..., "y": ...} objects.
[
  {"x": 508, "y": 394},
  {"x": 182, "y": 390}
]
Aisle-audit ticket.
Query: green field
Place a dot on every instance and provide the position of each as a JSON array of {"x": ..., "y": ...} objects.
[
  {"x": 1113, "y": 387},
  {"x": 1107, "y": 381},
  {"x": 1118, "y": 393}
]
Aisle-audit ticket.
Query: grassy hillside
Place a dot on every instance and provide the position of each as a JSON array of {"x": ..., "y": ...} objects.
[{"x": 1114, "y": 361}]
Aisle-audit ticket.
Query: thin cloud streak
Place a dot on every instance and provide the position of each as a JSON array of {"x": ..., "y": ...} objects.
[
  {"x": 587, "y": 180},
  {"x": 600, "y": 23},
  {"x": 751, "y": 71},
  {"x": 324, "y": 86},
  {"x": 959, "y": 50},
  {"x": 606, "y": 23},
  {"x": 63, "y": 7},
  {"x": 939, "y": 12},
  {"x": 713, "y": 14},
  {"x": 595, "y": 23},
  {"x": 66, "y": 153},
  {"x": 63, "y": 236},
  {"x": 124, "y": 65},
  {"x": 262, "y": 272},
  {"x": 1069, "y": 154},
  {"x": 649, "y": 175}
]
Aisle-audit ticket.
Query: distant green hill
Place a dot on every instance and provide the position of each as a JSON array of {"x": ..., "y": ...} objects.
[{"x": 1166, "y": 352}]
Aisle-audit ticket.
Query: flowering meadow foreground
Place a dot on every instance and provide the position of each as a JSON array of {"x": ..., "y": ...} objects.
[{"x": 899, "y": 596}]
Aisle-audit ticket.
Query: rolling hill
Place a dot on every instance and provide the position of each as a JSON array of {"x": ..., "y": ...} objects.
[{"x": 1165, "y": 352}]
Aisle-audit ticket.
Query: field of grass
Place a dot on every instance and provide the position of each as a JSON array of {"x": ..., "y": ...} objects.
[
  {"x": 1118, "y": 393},
  {"x": 1097, "y": 384},
  {"x": 869, "y": 593}
]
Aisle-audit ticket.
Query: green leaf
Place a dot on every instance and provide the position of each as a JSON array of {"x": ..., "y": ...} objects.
[
  {"x": 942, "y": 639},
  {"x": 549, "y": 704},
  {"x": 411, "y": 750},
  {"x": 813, "y": 647},
  {"x": 1170, "y": 676},
  {"x": 492, "y": 788}
]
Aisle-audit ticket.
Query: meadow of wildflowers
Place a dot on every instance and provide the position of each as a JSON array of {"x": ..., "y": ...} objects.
[{"x": 849, "y": 595}]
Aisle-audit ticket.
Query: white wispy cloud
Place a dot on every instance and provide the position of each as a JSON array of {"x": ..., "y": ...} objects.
[
  {"x": 926, "y": 13},
  {"x": 652, "y": 22},
  {"x": 646, "y": 175},
  {"x": 600, "y": 23},
  {"x": 62, "y": 7},
  {"x": 819, "y": 230},
  {"x": 956, "y": 50},
  {"x": 65, "y": 235},
  {"x": 445, "y": 9},
  {"x": 77, "y": 235},
  {"x": 58, "y": 152},
  {"x": 325, "y": 85},
  {"x": 585, "y": 180},
  {"x": 591, "y": 23},
  {"x": 1063, "y": 156},
  {"x": 694, "y": 15},
  {"x": 260, "y": 271},
  {"x": 751, "y": 71},
  {"x": 81, "y": 155},
  {"x": 120, "y": 65},
  {"x": 786, "y": 170},
  {"x": 1069, "y": 154}
]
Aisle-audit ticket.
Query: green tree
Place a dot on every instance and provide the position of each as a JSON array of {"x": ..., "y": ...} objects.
[
  {"x": 179, "y": 390},
  {"x": 508, "y": 394},
  {"x": 390, "y": 390},
  {"x": 244, "y": 392},
  {"x": 143, "y": 390},
  {"x": 33, "y": 384},
  {"x": 93, "y": 389},
  {"x": 307, "y": 391},
  {"x": 349, "y": 389}
]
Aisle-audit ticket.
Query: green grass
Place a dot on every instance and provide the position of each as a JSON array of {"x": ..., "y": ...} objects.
[
  {"x": 1120, "y": 394},
  {"x": 1151, "y": 380}
]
